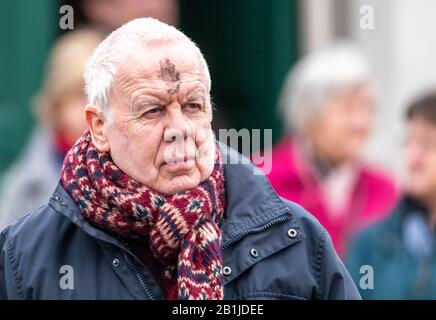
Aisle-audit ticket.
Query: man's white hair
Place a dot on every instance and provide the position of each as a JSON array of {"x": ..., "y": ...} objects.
[
  {"x": 316, "y": 77},
  {"x": 105, "y": 61}
]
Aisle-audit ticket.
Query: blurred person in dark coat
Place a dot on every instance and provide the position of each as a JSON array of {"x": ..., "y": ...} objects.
[
  {"x": 328, "y": 107},
  {"x": 59, "y": 109},
  {"x": 401, "y": 250}
]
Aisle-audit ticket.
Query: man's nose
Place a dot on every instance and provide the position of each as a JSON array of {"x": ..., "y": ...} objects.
[{"x": 176, "y": 129}]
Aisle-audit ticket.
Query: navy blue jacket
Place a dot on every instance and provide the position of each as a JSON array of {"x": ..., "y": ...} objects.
[{"x": 54, "y": 253}]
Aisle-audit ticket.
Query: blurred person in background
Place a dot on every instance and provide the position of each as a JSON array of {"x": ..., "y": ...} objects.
[
  {"x": 327, "y": 104},
  {"x": 108, "y": 15},
  {"x": 59, "y": 110},
  {"x": 401, "y": 249}
]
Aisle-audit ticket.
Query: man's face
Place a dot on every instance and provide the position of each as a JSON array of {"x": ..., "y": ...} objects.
[
  {"x": 344, "y": 124},
  {"x": 420, "y": 154},
  {"x": 158, "y": 129}
]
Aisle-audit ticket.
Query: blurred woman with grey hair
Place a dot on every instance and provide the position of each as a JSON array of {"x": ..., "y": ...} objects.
[
  {"x": 58, "y": 108},
  {"x": 327, "y": 104}
]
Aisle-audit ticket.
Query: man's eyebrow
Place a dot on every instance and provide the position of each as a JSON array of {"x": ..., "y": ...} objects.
[
  {"x": 147, "y": 99},
  {"x": 196, "y": 95},
  {"x": 141, "y": 101}
]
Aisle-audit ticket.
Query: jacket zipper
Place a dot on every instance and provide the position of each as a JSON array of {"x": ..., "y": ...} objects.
[
  {"x": 270, "y": 224},
  {"x": 138, "y": 275}
]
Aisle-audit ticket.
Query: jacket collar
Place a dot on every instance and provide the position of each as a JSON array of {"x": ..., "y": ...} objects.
[
  {"x": 251, "y": 201},
  {"x": 389, "y": 235},
  {"x": 405, "y": 207}
]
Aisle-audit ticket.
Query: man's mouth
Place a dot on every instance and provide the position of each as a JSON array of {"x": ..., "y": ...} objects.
[
  {"x": 180, "y": 164},
  {"x": 179, "y": 160}
]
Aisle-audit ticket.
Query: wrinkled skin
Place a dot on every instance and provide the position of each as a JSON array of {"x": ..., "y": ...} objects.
[{"x": 158, "y": 130}]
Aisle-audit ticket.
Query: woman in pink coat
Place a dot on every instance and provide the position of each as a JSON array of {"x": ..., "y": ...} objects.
[{"x": 327, "y": 104}]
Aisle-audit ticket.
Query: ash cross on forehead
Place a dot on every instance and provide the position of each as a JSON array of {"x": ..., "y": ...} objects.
[{"x": 168, "y": 72}]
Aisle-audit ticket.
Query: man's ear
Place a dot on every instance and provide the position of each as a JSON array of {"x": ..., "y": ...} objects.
[{"x": 97, "y": 126}]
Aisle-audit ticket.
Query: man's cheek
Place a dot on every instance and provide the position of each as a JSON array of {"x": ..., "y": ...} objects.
[
  {"x": 205, "y": 145},
  {"x": 203, "y": 131}
]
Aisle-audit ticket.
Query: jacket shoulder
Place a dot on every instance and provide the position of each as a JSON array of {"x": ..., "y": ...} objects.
[
  {"x": 309, "y": 223},
  {"x": 317, "y": 238},
  {"x": 333, "y": 279},
  {"x": 36, "y": 238},
  {"x": 40, "y": 223},
  {"x": 24, "y": 245}
]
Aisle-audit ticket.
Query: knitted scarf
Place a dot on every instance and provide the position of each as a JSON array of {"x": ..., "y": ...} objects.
[{"x": 182, "y": 230}]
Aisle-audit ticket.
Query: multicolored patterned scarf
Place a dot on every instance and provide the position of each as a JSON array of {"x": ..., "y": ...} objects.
[{"x": 183, "y": 229}]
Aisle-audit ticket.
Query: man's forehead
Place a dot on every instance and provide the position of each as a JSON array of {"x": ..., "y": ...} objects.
[
  {"x": 157, "y": 55},
  {"x": 163, "y": 79},
  {"x": 165, "y": 73},
  {"x": 164, "y": 67}
]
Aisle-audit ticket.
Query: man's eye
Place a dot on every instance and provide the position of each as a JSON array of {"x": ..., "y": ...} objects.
[
  {"x": 153, "y": 112},
  {"x": 193, "y": 106}
]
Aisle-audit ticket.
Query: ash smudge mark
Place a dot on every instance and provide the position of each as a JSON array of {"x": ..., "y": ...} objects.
[
  {"x": 175, "y": 90},
  {"x": 168, "y": 71}
]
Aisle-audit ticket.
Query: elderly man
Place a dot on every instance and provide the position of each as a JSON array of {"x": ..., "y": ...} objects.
[{"x": 147, "y": 207}]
